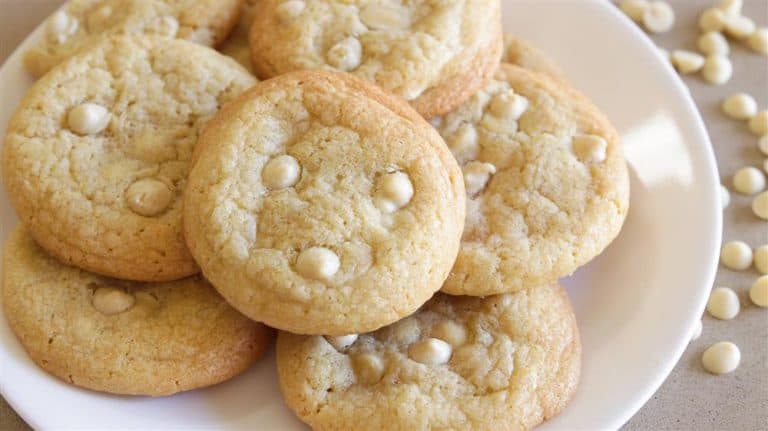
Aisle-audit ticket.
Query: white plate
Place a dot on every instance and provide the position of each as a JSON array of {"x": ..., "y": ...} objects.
[{"x": 636, "y": 304}]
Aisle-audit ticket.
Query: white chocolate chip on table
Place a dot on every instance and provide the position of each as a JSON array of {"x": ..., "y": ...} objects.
[
  {"x": 713, "y": 43},
  {"x": 739, "y": 26},
  {"x": 723, "y": 303},
  {"x": 762, "y": 144},
  {"x": 658, "y": 17},
  {"x": 760, "y": 205},
  {"x": 761, "y": 258},
  {"x": 749, "y": 180},
  {"x": 740, "y": 106},
  {"x": 712, "y": 19},
  {"x": 721, "y": 358},
  {"x": 687, "y": 61},
  {"x": 758, "y": 124},
  {"x": 736, "y": 255},
  {"x": 758, "y": 41},
  {"x": 758, "y": 293},
  {"x": 717, "y": 69},
  {"x": 634, "y": 9}
]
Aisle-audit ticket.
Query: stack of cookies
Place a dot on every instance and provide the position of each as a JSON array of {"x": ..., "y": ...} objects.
[{"x": 398, "y": 197}]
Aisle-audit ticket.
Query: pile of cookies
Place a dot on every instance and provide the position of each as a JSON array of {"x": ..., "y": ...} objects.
[{"x": 397, "y": 196}]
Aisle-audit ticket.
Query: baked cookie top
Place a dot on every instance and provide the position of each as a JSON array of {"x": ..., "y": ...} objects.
[
  {"x": 81, "y": 22},
  {"x": 523, "y": 54},
  {"x": 317, "y": 203},
  {"x": 236, "y": 45},
  {"x": 502, "y": 362},
  {"x": 547, "y": 184},
  {"x": 97, "y": 153},
  {"x": 121, "y": 337},
  {"x": 435, "y": 54}
]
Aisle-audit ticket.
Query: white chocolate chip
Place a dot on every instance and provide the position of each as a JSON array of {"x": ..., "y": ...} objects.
[
  {"x": 88, "y": 119},
  {"x": 395, "y": 190},
  {"x": 318, "y": 263},
  {"x": 383, "y": 17},
  {"x": 61, "y": 26},
  {"x": 476, "y": 176},
  {"x": 739, "y": 26},
  {"x": 749, "y": 181},
  {"x": 713, "y": 43},
  {"x": 464, "y": 143},
  {"x": 758, "y": 293},
  {"x": 696, "y": 333},
  {"x": 508, "y": 106},
  {"x": 736, "y": 255},
  {"x": 723, "y": 303},
  {"x": 758, "y": 124},
  {"x": 659, "y": 17},
  {"x": 281, "y": 172},
  {"x": 758, "y": 41},
  {"x": 687, "y": 61},
  {"x": 717, "y": 69},
  {"x": 450, "y": 332},
  {"x": 740, "y": 106},
  {"x": 761, "y": 259},
  {"x": 289, "y": 10},
  {"x": 345, "y": 55},
  {"x": 341, "y": 342},
  {"x": 725, "y": 196},
  {"x": 430, "y": 351},
  {"x": 369, "y": 368},
  {"x": 634, "y": 9},
  {"x": 166, "y": 26},
  {"x": 148, "y": 197},
  {"x": 721, "y": 358},
  {"x": 731, "y": 7},
  {"x": 111, "y": 301},
  {"x": 590, "y": 148},
  {"x": 712, "y": 19},
  {"x": 760, "y": 205},
  {"x": 762, "y": 144}
]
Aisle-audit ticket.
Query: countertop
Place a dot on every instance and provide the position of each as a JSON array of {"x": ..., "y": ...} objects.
[{"x": 690, "y": 398}]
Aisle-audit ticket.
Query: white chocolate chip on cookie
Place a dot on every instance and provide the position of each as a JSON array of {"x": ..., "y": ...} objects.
[
  {"x": 382, "y": 17},
  {"x": 508, "y": 105},
  {"x": 369, "y": 368},
  {"x": 464, "y": 143},
  {"x": 88, "y": 119},
  {"x": 281, "y": 172},
  {"x": 345, "y": 55},
  {"x": 111, "y": 300},
  {"x": 476, "y": 176},
  {"x": 590, "y": 148},
  {"x": 148, "y": 197},
  {"x": 395, "y": 190},
  {"x": 341, "y": 342},
  {"x": 318, "y": 263},
  {"x": 289, "y": 10},
  {"x": 450, "y": 332},
  {"x": 430, "y": 351},
  {"x": 61, "y": 26}
]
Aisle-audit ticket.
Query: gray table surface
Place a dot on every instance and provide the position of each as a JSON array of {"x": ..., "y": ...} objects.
[{"x": 690, "y": 398}]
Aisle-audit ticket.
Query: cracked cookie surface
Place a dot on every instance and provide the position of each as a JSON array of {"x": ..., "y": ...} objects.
[
  {"x": 123, "y": 337},
  {"x": 97, "y": 154},
  {"x": 435, "y": 54},
  {"x": 317, "y": 203},
  {"x": 508, "y": 361},
  {"x": 547, "y": 183}
]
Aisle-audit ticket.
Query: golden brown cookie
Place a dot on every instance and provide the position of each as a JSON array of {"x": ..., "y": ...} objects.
[
  {"x": 521, "y": 53},
  {"x": 236, "y": 45}
]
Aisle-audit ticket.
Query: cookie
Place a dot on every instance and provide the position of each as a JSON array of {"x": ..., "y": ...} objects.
[
  {"x": 122, "y": 337},
  {"x": 504, "y": 362},
  {"x": 318, "y": 203},
  {"x": 525, "y": 55},
  {"x": 547, "y": 184},
  {"x": 97, "y": 154},
  {"x": 236, "y": 46},
  {"x": 81, "y": 22},
  {"x": 433, "y": 54}
]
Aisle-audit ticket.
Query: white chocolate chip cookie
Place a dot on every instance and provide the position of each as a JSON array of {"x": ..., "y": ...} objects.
[
  {"x": 547, "y": 187},
  {"x": 527, "y": 56},
  {"x": 97, "y": 153},
  {"x": 319, "y": 204},
  {"x": 236, "y": 45},
  {"x": 433, "y": 54},
  {"x": 123, "y": 337},
  {"x": 82, "y": 22},
  {"x": 505, "y": 362}
]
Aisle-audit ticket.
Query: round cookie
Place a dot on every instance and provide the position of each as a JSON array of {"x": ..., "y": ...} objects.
[
  {"x": 502, "y": 362},
  {"x": 525, "y": 55},
  {"x": 318, "y": 203},
  {"x": 546, "y": 181},
  {"x": 81, "y": 22},
  {"x": 97, "y": 154},
  {"x": 122, "y": 337},
  {"x": 236, "y": 46},
  {"x": 433, "y": 54}
]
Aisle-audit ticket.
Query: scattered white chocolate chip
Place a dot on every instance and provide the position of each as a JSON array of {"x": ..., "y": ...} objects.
[
  {"x": 760, "y": 205},
  {"x": 464, "y": 143},
  {"x": 739, "y": 106},
  {"x": 758, "y": 293},
  {"x": 508, "y": 105},
  {"x": 383, "y": 17},
  {"x": 476, "y": 176},
  {"x": 739, "y": 26},
  {"x": 725, "y": 196},
  {"x": 748, "y": 180},
  {"x": 659, "y": 17},
  {"x": 712, "y": 19},
  {"x": 761, "y": 259},
  {"x": 717, "y": 69},
  {"x": 758, "y": 124},
  {"x": 713, "y": 43},
  {"x": 88, "y": 119},
  {"x": 762, "y": 144},
  {"x": 736, "y": 255},
  {"x": 590, "y": 148},
  {"x": 341, "y": 342},
  {"x": 450, "y": 332},
  {"x": 696, "y": 333},
  {"x": 430, "y": 351},
  {"x": 61, "y": 26},
  {"x": 634, "y": 9},
  {"x": 731, "y": 7},
  {"x": 148, "y": 197},
  {"x": 345, "y": 55},
  {"x": 289, "y": 10},
  {"x": 687, "y": 61},
  {"x": 318, "y": 263},
  {"x": 281, "y": 172},
  {"x": 395, "y": 190},
  {"x": 111, "y": 300},
  {"x": 758, "y": 41},
  {"x": 369, "y": 368},
  {"x": 721, "y": 358},
  {"x": 723, "y": 303}
]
